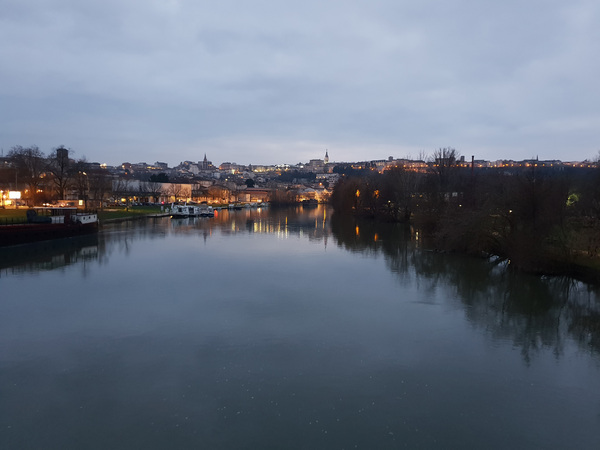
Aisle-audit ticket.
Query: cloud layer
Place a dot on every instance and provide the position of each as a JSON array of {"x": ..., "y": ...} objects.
[{"x": 266, "y": 81}]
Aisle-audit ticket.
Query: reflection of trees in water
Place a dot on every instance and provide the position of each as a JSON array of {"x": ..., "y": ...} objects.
[
  {"x": 533, "y": 312},
  {"x": 51, "y": 255},
  {"x": 367, "y": 236},
  {"x": 79, "y": 250},
  {"x": 120, "y": 237}
]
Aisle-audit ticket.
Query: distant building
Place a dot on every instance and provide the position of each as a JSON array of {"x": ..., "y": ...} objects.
[
  {"x": 62, "y": 154},
  {"x": 414, "y": 165},
  {"x": 205, "y": 164},
  {"x": 231, "y": 167},
  {"x": 315, "y": 165},
  {"x": 331, "y": 178}
]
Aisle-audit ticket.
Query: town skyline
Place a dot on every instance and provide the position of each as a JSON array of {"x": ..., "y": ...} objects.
[{"x": 422, "y": 156}]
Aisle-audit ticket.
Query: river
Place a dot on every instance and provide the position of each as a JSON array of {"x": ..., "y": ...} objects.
[{"x": 293, "y": 329}]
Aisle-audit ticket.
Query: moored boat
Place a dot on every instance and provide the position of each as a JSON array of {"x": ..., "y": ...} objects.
[
  {"x": 206, "y": 210},
  {"x": 48, "y": 223},
  {"x": 185, "y": 210},
  {"x": 182, "y": 211}
]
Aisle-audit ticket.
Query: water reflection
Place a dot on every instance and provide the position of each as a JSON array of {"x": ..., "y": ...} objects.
[
  {"x": 50, "y": 255},
  {"x": 312, "y": 223},
  {"x": 531, "y": 312},
  {"x": 234, "y": 332},
  {"x": 120, "y": 237},
  {"x": 535, "y": 313}
]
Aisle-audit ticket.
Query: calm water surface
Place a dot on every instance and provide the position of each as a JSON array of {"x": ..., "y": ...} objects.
[{"x": 288, "y": 329}]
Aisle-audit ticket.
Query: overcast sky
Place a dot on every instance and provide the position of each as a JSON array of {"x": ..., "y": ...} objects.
[{"x": 273, "y": 81}]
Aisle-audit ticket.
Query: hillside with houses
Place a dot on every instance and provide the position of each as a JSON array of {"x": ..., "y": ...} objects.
[{"x": 30, "y": 177}]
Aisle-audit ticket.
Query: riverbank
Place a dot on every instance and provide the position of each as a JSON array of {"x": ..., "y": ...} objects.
[{"x": 112, "y": 215}]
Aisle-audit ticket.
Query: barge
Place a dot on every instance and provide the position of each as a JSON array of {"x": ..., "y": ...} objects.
[{"x": 47, "y": 223}]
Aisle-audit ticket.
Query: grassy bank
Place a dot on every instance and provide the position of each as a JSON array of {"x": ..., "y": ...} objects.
[
  {"x": 12, "y": 213},
  {"x": 133, "y": 212}
]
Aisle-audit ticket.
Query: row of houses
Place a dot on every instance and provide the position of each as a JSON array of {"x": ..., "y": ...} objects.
[{"x": 134, "y": 191}]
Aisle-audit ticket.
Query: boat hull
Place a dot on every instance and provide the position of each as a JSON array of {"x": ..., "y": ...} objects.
[{"x": 34, "y": 232}]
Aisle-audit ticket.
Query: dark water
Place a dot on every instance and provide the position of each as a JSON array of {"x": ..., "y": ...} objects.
[{"x": 288, "y": 329}]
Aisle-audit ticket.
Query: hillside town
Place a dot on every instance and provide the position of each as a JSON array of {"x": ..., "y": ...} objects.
[{"x": 28, "y": 177}]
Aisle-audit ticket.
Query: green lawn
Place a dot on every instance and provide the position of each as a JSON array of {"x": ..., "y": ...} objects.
[
  {"x": 12, "y": 213},
  {"x": 121, "y": 213},
  {"x": 8, "y": 216}
]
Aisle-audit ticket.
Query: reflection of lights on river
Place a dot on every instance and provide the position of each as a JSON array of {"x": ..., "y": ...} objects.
[{"x": 357, "y": 231}]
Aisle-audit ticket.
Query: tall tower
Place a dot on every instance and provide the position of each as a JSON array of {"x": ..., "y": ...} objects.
[
  {"x": 326, "y": 159},
  {"x": 62, "y": 155}
]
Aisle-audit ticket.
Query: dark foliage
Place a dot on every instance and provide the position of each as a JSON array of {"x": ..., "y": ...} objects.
[
  {"x": 292, "y": 175},
  {"x": 159, "y": 178},
  {"x": 541, "y": 221}
]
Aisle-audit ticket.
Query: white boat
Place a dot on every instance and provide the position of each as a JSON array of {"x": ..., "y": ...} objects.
[
  {"x": 186, "y": 210},
  {"x": 206, "y": 210}
]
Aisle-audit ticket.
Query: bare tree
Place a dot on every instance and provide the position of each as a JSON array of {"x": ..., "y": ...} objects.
[
  {"x": 155, "y": 189},
  {"x": 219, "y": 193},
  {"x": 399, "y": 187},
  {"x": 99, "y": 181},
  {"x": 143, "y": 190},
  {"x": 7, "y": 175},
  {"x": 444, "y": 166},
  {"x": 186, "y": 191},
  {"x": 199, "y": 193},
  {"x": 80, "y": 179},
  {"x": 121, "y": 188},
  {"x": 59, "y": 167},
  {"x": 29, "y": 164},
  {"x": 175, "y": 190}
]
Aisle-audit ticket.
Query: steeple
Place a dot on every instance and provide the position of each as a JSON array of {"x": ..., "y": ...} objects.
[{"x": 326, "y": 160}]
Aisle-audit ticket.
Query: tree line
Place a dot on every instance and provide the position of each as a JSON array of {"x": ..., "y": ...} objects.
[
  {"x": 538, "y": 219},
  {"x": 47, "y": 178}
]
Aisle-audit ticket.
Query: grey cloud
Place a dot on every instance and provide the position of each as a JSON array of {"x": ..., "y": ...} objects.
[{"x": 499, "y": 79}]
